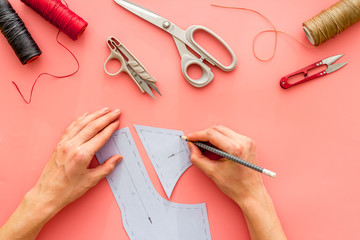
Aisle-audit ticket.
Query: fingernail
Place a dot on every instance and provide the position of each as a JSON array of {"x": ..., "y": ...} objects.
[
  {"x": 118, "y": 160},
  {"x": 105, "y": 110},
  {"x": 116, "y": 111}
]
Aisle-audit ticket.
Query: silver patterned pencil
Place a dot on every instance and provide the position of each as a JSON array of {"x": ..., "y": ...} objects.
[{"x": 221, "y": 153}]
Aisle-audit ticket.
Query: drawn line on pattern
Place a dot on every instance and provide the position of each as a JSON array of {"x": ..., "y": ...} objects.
[
  {"x": 132, "y": 180},
  {"x": 173, "y": 155}
]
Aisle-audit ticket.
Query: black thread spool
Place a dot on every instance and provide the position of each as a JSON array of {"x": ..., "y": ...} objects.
[{"x": 14, "y": 30}]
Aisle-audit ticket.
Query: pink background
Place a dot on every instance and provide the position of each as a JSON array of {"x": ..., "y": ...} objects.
[{"x": 309, "y": 134}]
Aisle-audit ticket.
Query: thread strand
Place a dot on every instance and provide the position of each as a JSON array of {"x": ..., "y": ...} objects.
[
  {"x": 274, "y": 30},
  {"x": 49, "y": 74}
]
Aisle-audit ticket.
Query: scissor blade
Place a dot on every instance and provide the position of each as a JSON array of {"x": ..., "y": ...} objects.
[
  {"x": 153, "y": 86},
  {"x": 334, "y": 67},
  {"x": 144, "y": 86},
  {"x": 332, "y": 59},
  {"x": 142, "y": 12}
]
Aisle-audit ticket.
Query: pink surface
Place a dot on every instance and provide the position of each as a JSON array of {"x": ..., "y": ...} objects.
[{"x": 308, "y": 134}]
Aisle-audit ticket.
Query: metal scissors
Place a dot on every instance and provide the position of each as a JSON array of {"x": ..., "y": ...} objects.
[
  {"x": 327, "y": 61},
  {"x": 131, "y": 66},
  {"x": 184, "y": 39}
]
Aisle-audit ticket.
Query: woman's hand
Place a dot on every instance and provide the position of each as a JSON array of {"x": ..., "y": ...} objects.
[
  {"x": 66, "y": 176},
  {"x": 236, "y": 181},
  {"x": 240, "y": 183}
]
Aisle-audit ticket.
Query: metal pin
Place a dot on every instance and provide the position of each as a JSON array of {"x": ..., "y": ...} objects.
[{"x": 166, "y": 24}]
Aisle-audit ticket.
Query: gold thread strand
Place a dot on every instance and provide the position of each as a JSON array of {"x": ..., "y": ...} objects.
[{"x": 274, "y": 30}]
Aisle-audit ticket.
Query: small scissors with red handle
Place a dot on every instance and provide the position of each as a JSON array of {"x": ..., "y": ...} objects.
[{"x": 327, "y": 61}]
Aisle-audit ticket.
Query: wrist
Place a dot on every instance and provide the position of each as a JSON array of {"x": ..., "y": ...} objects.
[
  {"x": 261, "y": 217},
  {"x": 257, "y": 198},
  {"x": 38, "y": 206},
  {"x": 28, "y": 219}
]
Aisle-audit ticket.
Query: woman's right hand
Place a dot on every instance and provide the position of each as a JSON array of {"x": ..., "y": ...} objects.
[
  {"x": 236, "y": 181},
  {"x": 242, "y": 184}
]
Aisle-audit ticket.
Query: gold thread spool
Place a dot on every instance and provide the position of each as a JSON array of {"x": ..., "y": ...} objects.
[{"x": 332, "y": 21}]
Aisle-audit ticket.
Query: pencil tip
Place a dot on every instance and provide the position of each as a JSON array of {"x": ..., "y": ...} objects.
[{"x": 184, "y": 138}]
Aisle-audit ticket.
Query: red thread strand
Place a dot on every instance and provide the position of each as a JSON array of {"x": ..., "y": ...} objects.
[
  {"x": 59, "y": 15},
  {"x": 49, "y": 74}
]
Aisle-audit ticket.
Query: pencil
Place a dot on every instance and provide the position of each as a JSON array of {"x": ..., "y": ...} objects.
[{"x": 221, "y": 153}]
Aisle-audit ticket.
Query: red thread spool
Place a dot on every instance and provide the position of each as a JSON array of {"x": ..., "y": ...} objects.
[{"x": 59, "y": 15}]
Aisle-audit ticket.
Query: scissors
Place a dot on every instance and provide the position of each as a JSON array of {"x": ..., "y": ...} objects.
[
  {"x": 184, "y": 39},
  {"x": 327, "y": 61},
  {"x": 131, "y": 66}
]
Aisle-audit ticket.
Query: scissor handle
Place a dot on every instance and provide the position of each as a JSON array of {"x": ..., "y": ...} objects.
[
  {"x": 114, "y": 54},
  {"x": 190, "y": 37},
  {"x": 206, "y": 77},
  {"x": 284, "y": 80}
]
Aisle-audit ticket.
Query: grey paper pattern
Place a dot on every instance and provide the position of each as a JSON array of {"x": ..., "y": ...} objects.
[
  {"x": 169, "y": 154},
  {"x": 146, "y": 215}
]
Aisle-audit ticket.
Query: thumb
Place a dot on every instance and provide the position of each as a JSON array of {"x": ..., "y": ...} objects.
[
  {"x": 200, "y": 161},
  {"x": 107, "y": 167}
]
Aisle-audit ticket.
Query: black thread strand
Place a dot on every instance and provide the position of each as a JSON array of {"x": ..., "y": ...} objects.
[{"x": 14, "y": 30}]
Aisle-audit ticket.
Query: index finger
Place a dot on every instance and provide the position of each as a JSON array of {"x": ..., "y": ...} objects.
[
  {"x": 76, "y": 126},
  {"x": 216, "y": 138},
  {"x": 99, "y": 140},
  {"x": 96, "y": 126},
  {"x": 230, "y": 133}
]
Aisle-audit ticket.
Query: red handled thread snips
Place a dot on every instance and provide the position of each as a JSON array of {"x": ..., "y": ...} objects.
[{"x": 327, "y": 61}]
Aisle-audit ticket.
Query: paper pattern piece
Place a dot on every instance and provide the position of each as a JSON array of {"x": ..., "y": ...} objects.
[
  {"x": 145, "y": 214},
  {"x": 168, "y": 153}
]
